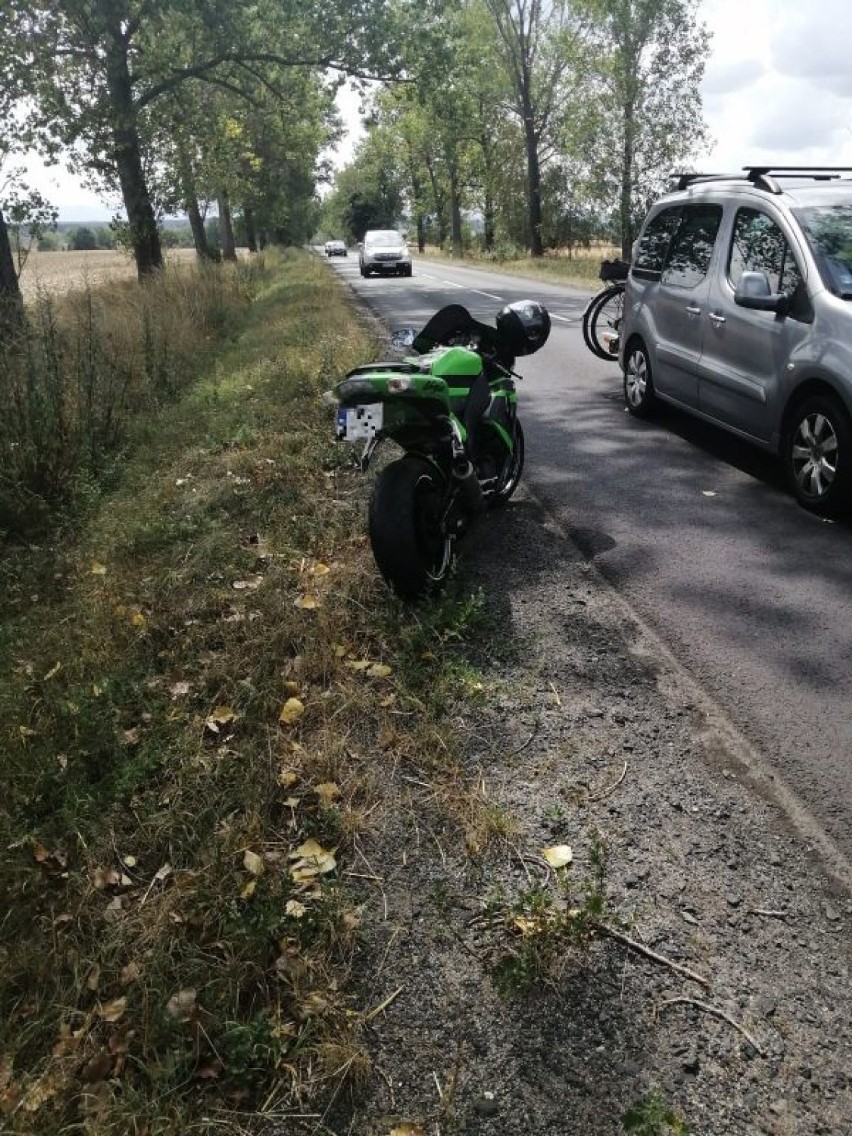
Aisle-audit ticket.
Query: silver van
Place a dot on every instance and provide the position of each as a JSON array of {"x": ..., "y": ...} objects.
[{"x": 738, "y": 309}]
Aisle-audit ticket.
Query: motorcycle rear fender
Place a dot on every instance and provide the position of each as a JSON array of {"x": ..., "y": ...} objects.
[{"x": 392, "y": 383}]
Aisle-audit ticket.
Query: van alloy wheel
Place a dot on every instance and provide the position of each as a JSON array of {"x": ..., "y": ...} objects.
[
  {"x": 818, "y": 455},
  {"x": 638, "y": 382}
]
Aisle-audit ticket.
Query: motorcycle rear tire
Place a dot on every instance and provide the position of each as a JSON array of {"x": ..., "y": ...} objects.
[
  {"x": 412, "y": 551},
  {"x": 514, "y": 468}
]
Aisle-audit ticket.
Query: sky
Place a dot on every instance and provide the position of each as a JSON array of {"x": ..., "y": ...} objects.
[{"x": 777, "y": 90}]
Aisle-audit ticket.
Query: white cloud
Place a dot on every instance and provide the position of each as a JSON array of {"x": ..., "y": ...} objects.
[
  {"x": 798, "y": 108},
  {"x": 815, "y": 43},
  {"x": 731, "y": 78}
]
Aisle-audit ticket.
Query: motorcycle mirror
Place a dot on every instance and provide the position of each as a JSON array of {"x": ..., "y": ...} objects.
[{"x": 403, "y": 336}]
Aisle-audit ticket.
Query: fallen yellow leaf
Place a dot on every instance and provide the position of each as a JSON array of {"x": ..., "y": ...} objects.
[
  {"x": 558, "y": 856},
  {"x": 291, "y": 711},
  {"x": 249, "y": 585},
  {"x": 182, "y": 1005},
  {"x": 320, "y": 569},
  {"x": 327, "y": 792},
  {"x": 307, "y": 602},
  {"x": 98, "y": 569},
  {"x": 379, "y": 670},
  {"x": 114, "y": 1010},
  {"x": 524, "y": 925},
  {"x": 221, "y": 716},
  {"x": 252, "y": 862},
  {"x": 249, "y": 890},
  {"x": 287, "y": 778},
  {"x": 312, "y": 859},
  {"x": 295, "y": 909},
  {"x": 130, "y": 973}
]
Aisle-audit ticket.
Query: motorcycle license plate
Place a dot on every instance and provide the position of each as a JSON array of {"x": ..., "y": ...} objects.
[{"x": 359, "y": 423}]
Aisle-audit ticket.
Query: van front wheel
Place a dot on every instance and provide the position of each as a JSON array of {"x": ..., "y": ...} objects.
[
  {"x": 818, "y": 455},
  {"x": 638, "y": 382}
]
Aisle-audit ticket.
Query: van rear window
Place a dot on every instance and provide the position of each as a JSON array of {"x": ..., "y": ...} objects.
[{"x": 654, "y": 243}]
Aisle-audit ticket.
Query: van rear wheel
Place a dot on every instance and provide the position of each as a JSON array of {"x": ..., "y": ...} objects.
[
  {"x": 818, "y": 455},
  {"x": 639, "y": 394}
]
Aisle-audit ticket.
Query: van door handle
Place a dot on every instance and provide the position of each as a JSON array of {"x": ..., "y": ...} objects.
[
  {"x": 716, "y": 318},
  {"x": 693, "y": 310}
]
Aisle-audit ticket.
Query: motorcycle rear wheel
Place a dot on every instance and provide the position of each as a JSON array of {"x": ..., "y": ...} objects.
[
  {"x": 513, "y": 469},
  {"x": 411, "y": 548}
]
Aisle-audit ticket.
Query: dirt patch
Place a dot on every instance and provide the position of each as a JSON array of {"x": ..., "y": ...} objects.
[{"x": 584, "y": 739}]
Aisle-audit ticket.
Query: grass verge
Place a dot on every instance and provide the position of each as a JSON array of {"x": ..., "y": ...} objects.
[
  {"x": 205, "y": 685},
  {"x": 581, "y": 270}
]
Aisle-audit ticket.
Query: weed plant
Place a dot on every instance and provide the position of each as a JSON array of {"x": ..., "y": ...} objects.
[{"x": 82, "y": 365}]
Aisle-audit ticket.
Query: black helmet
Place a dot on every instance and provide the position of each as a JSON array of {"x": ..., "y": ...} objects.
[{"x": 524, "y": 326}]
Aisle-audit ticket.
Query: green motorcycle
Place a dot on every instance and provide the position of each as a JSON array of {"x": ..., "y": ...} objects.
[{"x": 452, "y": 408}]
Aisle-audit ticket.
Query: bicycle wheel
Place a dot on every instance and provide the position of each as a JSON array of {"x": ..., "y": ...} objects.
[{"x": 603, "y": 315}]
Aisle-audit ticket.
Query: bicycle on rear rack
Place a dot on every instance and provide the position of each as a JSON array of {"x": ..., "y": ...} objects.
[{"x": 602, "y": 317}]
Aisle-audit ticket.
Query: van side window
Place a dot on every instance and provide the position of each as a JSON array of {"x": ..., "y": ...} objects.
[
  {"x": 654, "y": 244},
  {"x": 691, "y": 249},
  {"x": 758, "y": 245}
]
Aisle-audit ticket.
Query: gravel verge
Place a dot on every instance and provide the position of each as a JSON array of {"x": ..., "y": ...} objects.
[{"x": 585, "y": 727}]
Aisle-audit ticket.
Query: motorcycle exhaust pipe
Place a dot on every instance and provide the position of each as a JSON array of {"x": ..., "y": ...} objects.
[{"x": 469, "y": 488}]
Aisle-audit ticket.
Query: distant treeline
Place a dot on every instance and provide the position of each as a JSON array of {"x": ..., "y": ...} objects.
[{"x": 70, "y": 236}]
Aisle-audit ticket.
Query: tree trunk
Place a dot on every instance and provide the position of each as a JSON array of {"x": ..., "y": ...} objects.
[
  {"x": 251, "y": 229},
  {"x": 190, "y": 202},
  {"x": 11, "y": 301},
  {"x": 440, "y": 206},
  {"x": 226, "y": 228},
  {"x": 626, "y": 183},
  {"x": 455, "y": 211},
  {"x": 128, "y": 159},
  {"x": 421, "y": 234},
  {"x": 533, "y": 179},
  {"x": 199, "y": 233}
]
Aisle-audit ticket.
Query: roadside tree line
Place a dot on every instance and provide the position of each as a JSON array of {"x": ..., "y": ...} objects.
[
  {"x": 545, "y": 117},
  {"x": 549, "y": 121},
  {"x": 173, "y": 104}
]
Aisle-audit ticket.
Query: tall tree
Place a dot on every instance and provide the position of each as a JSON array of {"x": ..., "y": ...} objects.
[
  {"x": 540, "y": 40},
  {"x": 650, "y": 57},
  {"x": 93, "y": 68}
]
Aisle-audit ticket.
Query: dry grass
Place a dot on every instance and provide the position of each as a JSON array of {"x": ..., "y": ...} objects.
[
  {"x": 88, "y": 360},
  {"x": 59, "y": 272},
  {"x": 204, "y": 681},
  {"x": 580, "y": 268}
]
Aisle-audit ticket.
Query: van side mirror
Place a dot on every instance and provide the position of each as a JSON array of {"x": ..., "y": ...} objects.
[{"x": 754, "y": 291}]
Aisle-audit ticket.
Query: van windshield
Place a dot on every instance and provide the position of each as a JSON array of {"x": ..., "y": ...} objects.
[
  {"x": 383, "y": 238},
  {"x": 828, "y": 229}
]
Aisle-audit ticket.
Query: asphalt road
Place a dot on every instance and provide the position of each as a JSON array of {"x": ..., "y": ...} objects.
[{"x": 696, "y": 530}]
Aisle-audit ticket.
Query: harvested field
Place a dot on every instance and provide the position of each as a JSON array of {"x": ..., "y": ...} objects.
[{"x": 57, "y": 272}]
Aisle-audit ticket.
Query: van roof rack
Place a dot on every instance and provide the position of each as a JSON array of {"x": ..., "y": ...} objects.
[{"x": 764, "y": 177}]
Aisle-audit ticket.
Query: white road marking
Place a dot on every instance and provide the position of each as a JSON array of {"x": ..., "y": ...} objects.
[{"x": 462, "y": 287}]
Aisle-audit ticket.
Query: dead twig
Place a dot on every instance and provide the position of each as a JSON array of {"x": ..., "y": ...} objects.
[
  {"x": 612, "y": 788},
  {"x": 523, "y": 746},
  {"x": 717, "y": 1012},
  {"x": 382, "y": 1006},
  {"x": 619, "y": 937}
]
